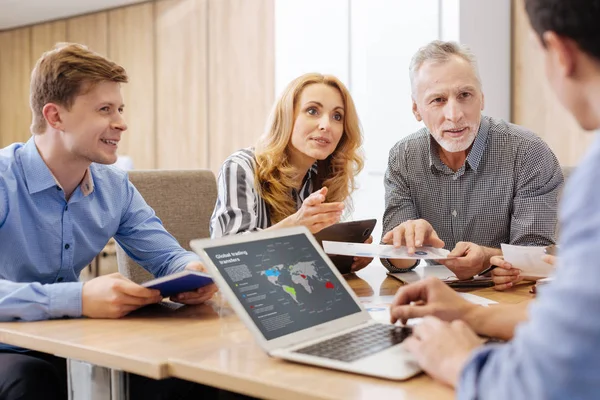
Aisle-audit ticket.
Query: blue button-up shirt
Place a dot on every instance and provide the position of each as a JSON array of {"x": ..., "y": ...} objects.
[
  {"x": 556, "y": 353},
  {"x": 46, "y": 241}
]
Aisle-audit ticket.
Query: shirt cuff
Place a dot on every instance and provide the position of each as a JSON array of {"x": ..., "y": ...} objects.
[
  {"x": 65, "y": 299},
  {"x": 386, "y": 263},
  {"x": 467, "y": 388},
  {"x": 181, "y": 262}
]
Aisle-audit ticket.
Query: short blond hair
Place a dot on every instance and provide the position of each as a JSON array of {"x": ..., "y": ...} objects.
[
  {"x": 440, "y": 51},
  {"x": 62, "y": 74}
]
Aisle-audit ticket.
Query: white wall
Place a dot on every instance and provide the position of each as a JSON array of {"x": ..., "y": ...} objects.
[
  {"x": 484, "y": 26},
  {"x": 384, "y": 34},
  {"x": 310, "y": 36},
  {"x": 368, "y": 45}
]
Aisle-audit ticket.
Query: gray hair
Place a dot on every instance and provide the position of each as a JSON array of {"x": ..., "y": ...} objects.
[{"x": 439, "y": 51}]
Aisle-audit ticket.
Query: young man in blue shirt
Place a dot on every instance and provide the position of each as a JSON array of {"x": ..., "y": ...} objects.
[
  {"x": 555, "y": 352},
  {"x": 60, "y": 203}
]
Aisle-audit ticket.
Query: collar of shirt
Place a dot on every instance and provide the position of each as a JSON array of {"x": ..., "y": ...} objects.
[
  {"x": 39, "y": 177},
  {"x": 475, "y": 154}
]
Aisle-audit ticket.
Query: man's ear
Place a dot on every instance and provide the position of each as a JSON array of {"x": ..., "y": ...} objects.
[
  {"x": 563, "y": 52},
  {"x": 415, "y": 111},
  {"x": 51, "y": 113}
]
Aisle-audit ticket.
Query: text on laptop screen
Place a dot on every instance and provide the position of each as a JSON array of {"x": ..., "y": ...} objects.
[{"x": 283, "y": 283}]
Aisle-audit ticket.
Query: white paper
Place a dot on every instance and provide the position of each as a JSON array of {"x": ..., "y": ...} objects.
[
  {"x": 473, "y": 298},
  {"x": 528, "y": 259},
  {"x": 379, "y": 306},
  {"x": 383, "y": 251},
  {"x": 425, "y": 271}
]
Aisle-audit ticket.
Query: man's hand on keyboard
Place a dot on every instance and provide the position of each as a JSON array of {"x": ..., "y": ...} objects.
[
  {"x": 428, "y": 297},
  {"x": 442, "y": 348}
]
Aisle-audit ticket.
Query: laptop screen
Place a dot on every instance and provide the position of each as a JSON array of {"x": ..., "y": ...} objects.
[{"x": 283, "y": 283}]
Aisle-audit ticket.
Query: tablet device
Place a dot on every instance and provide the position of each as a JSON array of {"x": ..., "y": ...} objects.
[
  {"x": 352, "y": 231},
  {"x": 179, "y": 282}
]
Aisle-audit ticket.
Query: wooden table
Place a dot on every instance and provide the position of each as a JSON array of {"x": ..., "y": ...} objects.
[{"x": 208, "y": 344}]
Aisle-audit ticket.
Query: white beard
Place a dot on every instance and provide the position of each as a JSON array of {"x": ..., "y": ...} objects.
[{"x": 456, "y": 145}]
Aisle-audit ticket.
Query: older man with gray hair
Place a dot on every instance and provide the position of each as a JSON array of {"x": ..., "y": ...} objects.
[{"x": 465, "y": 182}]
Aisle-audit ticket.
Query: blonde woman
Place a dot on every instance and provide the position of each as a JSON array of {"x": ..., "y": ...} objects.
[{"x": 303, "y": 168}]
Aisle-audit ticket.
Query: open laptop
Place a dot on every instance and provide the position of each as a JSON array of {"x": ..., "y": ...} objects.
[{"x": 299, "y": 307}]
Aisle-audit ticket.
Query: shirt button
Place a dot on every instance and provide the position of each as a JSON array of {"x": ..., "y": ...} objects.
[
  {"x": 58, "y": 187},
  {"x": 67, "y": 246},
  {"x": 60, "y": 279},
  {"x": 66, "y": 208},
  {"x": 454, "y": 177},
  {"x": 454, "y": 213}
]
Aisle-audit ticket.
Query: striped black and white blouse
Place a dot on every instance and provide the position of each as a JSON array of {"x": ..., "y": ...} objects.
[{"x": 239, "y": 207}]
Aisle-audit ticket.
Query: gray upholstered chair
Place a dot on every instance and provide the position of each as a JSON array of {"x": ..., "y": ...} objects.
[{"x": 183, "y": 200}]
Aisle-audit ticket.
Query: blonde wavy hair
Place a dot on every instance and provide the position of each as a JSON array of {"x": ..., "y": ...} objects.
[{"x": 274, "y": 174}]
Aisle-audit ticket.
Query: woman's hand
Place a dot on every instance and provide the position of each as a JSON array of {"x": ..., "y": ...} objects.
[{"x": 314, "y": 213}]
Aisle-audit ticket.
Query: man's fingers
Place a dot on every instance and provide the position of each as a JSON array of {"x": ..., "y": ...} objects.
[
  {"x": 192, "y": 298},
  {"x": 409, "y": 237},
  {"x": 207, "y": 289},
  {"x": 388, "y": 237},
  {"x": 435, "y": 241},
  {"x": 500, "y": 262},
  {"x": 459, "y": 250},
  {"x": 133, "y": 289},
  {"x": 504, "y": 279},
  {"x": 429, "y": 326},
  {"x": 136, "y": 301},
  {"x": 505, "y": 272},
  {"x": 198, "y": 296},
  {"x": 414, "y": 292},
  {"x": 406, "y": 312},
  {"x": 503, "y": 286},
  {"x": 412, "y": 345},
  {"x": 420, "y": 232},
  {"x": 398, "y": 233}
]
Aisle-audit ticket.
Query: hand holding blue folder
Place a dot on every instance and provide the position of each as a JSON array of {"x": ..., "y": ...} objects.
[{"x": 184, "y": 281}]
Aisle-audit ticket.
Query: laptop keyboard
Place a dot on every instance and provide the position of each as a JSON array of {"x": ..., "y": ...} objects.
[{"x": 359, "y": 343}]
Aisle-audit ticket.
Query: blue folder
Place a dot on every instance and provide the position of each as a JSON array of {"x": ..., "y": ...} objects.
[{"x": 184, "y": 281}]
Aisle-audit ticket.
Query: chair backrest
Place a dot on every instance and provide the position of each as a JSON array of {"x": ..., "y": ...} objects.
[{"x": 182, "y": 199}]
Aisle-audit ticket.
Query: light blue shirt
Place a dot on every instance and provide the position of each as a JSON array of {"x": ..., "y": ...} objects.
[
  {"x": 556, "y": 353},
  {"x": 46, "y": 241}
]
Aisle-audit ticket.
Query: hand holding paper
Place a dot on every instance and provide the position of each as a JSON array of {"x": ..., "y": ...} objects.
[
  {"x": 528, "y": 259},
  {"x": 383, "y": 251}
]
